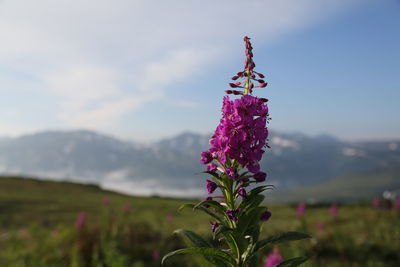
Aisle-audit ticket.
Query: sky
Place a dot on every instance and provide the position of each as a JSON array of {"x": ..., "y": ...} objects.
[{"x": 145, "y": 70}]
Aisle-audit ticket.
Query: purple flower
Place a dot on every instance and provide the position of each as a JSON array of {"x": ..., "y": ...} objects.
[
  {"x": 81, "y": 220},
  {"x": 127, "y": 207},
  {"x": 106, "y": 202},
  {"x": 214, "y": 226},
  {"x": 376, "y": 203},
  {"x": 241, "y": 134},
  {"x": 320, "y": 226},
  {"x": 273, "y": 258},
  {"x": 232, "y": 214},
  {"x": 155, "y": 255},
  {"x": 265, "y": 216},
  {"x": 301, "y": 208},
  {"x": 242, "y": 192},
  {"x": 231, "y": 173},
  {"x": 260, "y": 176},
  {"x": 333, "y": 210},
  {"x": 212, "y": 167},
  {"x": 211, "y": 186},
  {"x": 206, "y": 157}
]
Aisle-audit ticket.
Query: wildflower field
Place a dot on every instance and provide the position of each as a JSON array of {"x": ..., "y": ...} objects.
[{"x": 46, "y": 223}]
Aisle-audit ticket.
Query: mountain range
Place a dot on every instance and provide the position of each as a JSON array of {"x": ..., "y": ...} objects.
[{"x": 170, "y": 166}]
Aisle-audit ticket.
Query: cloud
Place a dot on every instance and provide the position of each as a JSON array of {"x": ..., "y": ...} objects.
[
  {"x": 177, "y": 65},
  {"x": 81, "y": 85},
  {"x": 103, "y": 59}
]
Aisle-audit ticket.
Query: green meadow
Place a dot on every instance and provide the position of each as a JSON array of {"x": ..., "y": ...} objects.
[{"x": 38, "y": 227}]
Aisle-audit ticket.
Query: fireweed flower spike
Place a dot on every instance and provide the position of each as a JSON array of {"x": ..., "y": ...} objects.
[
  {"x": 301, "y": 208},
  {"x": 233, "y": 165},
  {"x": 334, "y": 211},
  {"x": 81, "y": 220}
]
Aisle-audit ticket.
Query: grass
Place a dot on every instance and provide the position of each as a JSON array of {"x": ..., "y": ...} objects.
[{"x": 37, "y": 229}]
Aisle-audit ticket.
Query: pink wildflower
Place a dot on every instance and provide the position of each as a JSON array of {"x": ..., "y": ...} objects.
[
  {"x": 301, "y": 208},
  {"x": 106, "y": 202},
  {"x": 320, "y": 226},
  {"x": 333, "y": 211},
  {"x": 397, "y": 203},
  {"x": 127, "y": 207},
  {"x": 81, "y": 220},
  {"x": 274, "y": 258},
  {"x": 155, "y": 255},
  {"x": 376, "y": 203}
]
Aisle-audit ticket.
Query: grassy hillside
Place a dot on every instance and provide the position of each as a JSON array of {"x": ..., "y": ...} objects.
[
  {"x": 25, "y": 200},
  {"x": 37, "y": 228}
]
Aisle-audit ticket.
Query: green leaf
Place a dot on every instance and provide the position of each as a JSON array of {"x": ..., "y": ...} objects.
[
  {"x": 259, "y": 189},
  {"x": 214, "y": 174},
  {"x": 251, "y": 216},
  {"x": 209, "y": 212},
  {"x": 222, "y": 228},
  {"x": 199, "y": 242},
  {"x": 283, "y": 237},
  {"x": 195, "y": 238},
  {"x": 247, "y": 253},
  {"x": 212, "y": 203},
  {"x": 232, "y": 242},
  {"x": 209, "y": 252},
  {"x": 293, "y": 262},
  {"x": 251, "y": 201},
  {"x": 186, "y": 205}
]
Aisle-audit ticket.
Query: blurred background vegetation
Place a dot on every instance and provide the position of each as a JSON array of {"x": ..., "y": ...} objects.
[{"x": 45, "y": 223}]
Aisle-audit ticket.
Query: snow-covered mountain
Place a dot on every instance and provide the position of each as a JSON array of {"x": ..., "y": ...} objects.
[{"x": 169, "y": 166}]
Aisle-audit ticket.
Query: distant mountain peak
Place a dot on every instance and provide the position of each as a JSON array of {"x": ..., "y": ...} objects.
[{"x": 84, "y": 155}]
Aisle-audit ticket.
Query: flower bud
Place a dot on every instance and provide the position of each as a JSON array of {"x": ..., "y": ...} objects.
[
  {"x": 233, "y": 85},
  {"x": 214, "y": 226},
  {"x": 265, "y": 216},
  {"x": 232, "y": 214},
  {"x": 260, "y": 176},
  {"x": 242, "y": 192},
  {"x": 262, "y": 85},
  {"x": 211, "y": 186},
  {"x": 260, "y": 75}
]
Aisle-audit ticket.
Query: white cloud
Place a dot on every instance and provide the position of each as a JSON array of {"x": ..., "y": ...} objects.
[
  {"x": 102, "y": 59},
  {"x": 176, "y": 66},
  {"x": 104, "y": 115},
  {"x": 81, "y": 85}
]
